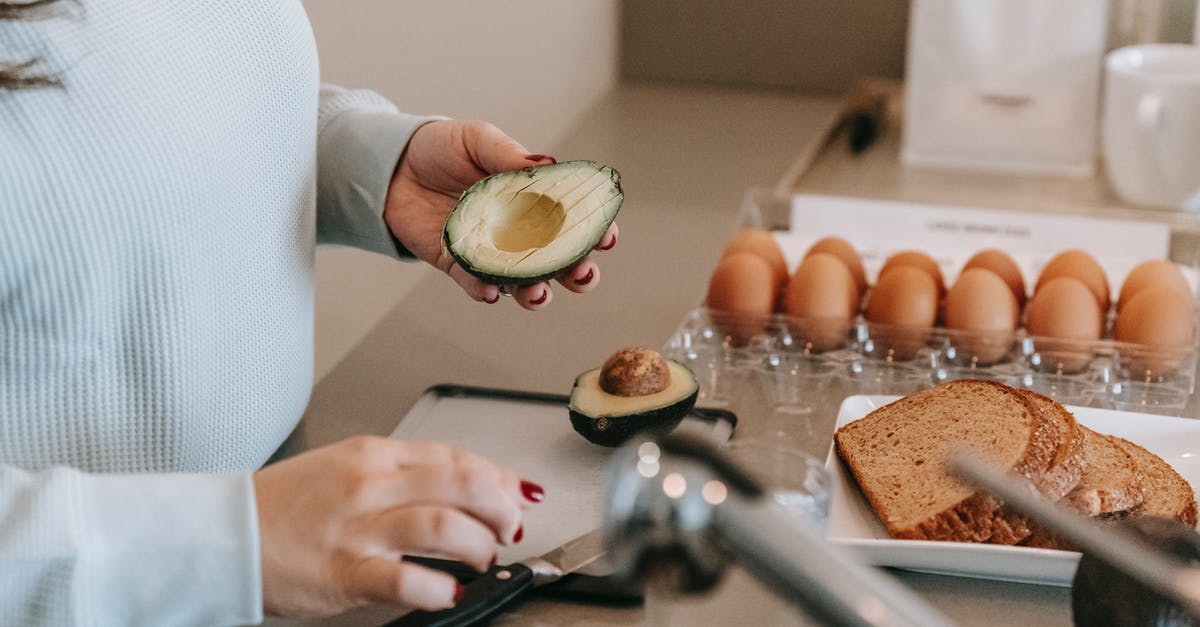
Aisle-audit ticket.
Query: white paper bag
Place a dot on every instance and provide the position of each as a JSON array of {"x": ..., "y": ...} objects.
[{"x": 1007, "y": 85}]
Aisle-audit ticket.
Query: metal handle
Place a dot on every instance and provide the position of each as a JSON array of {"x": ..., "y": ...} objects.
[
  {"x": 681, "y": 502},
  {"x": 791, "y": 556}
]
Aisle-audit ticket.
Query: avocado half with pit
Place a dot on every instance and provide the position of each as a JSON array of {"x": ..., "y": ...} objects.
[
  {"x": 637, "y": 391},
  {"x": 526, "y": 226}
]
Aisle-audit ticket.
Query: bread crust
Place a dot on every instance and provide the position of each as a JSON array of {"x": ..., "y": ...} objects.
[
  {"x": 1113, "y": 481},
  {"x": 1067, "y": 465},
  {"x": 1168, "y": 493},
  {"x": 1165, "y": 493}
]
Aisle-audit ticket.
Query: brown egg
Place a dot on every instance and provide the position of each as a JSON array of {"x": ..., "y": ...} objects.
[
  {"x": 763, "y": 244},
  {"x": 906, "y": 301},
  {"x": 822, "y": 298},
  {"x": 742, "y": 291},
  {"x": 1064, "y": 309},
  {"x": 1004, "y": 267},
  {"x": 981, "y": 305},
  {"x": 1160, "y": 319},
  {"x": 842, "y": 249},
  {"x": 916, "y": 259},
  {"x": 1080, "y": 265},
  {"x": 1159, "y": 272}
]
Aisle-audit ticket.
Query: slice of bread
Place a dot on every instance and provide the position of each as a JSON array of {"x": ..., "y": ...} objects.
[
  {"x": 1061, "y": 474},
  {"x": 898, "y": 453},
  {"x": 1070, "y": 458},
  {"x": 1166, "y": 493},
  {"x": 1112, "y": 481}
]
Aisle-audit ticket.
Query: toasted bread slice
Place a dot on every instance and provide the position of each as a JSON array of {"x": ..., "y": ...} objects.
[
  {"x": 1112, "y": 481},
  {"x": 1166, "y": 493},
  {"x": 1066, "y": 467},
  {"x": 1063, "y": 470},
  {"x": 898, "y": 453}
]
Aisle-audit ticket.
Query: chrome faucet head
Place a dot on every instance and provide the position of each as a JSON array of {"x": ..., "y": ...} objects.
[{"x": 663, "y": 497}]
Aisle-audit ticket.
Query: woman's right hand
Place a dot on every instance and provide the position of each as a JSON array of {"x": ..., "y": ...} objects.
[{"x": 335, "y": 523}]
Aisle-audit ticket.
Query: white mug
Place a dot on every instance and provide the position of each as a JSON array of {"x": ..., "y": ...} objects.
[{"x": 1151, "y": 130}]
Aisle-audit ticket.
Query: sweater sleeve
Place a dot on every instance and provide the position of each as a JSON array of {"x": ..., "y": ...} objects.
[
  {"x": 360, "y": 139},
  {"x": 165, "y": 549}
]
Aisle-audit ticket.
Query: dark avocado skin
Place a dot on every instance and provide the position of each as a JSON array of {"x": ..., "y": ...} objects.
[
  {"x": 1102, "y": 596},
  {"x": 496, "y": 279},
  {"x": 616, "y": 430}
]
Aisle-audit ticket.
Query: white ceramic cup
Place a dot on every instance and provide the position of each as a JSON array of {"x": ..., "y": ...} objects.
[{"x": 1151, "y": 130}]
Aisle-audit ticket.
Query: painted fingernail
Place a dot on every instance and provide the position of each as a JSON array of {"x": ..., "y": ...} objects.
[
  {"x": 587, "y": 278},
  {"x": 492, "y": 564},
  {"x": 541, "y": 158},
  {"x": 612, "y": 242},
  {"x": 519, "y": 534},
  {"x": 492, "y": 300},
  {"x": 458, "y": 592},
  {"x": 541, "y": 299},
  {"x": 532, "y": 491}
]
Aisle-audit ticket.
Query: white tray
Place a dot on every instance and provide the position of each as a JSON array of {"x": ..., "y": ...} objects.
[{"x": 853, "y": 523}]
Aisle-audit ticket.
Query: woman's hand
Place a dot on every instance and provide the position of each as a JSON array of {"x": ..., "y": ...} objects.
[
  {"x": 336, "y": 522},
  {"x": 444, "y": 158}
]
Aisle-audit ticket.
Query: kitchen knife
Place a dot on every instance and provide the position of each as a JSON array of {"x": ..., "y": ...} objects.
[{"x": 505, "y": 584}]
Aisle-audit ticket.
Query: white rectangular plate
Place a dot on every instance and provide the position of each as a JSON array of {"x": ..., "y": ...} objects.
[{"x": 853, "y": 523}]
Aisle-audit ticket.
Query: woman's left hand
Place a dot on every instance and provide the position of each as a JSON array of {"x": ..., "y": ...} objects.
[{"x": 444, "y": 158}]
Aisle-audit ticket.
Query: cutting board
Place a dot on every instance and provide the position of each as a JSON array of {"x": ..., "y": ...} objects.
[{"x": 531, "y": 433}]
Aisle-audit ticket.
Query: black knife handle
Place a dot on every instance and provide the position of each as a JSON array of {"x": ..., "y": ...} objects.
[
  {"x": 600, "y": 589},
  {"x": 482, "y": 598}
]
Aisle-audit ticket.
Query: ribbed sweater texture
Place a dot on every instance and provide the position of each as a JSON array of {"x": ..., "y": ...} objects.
[{"x": 158, "y": 219}]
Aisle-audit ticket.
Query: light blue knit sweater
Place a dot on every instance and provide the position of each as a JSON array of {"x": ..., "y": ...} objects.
[{"x": 158, "y": 217}]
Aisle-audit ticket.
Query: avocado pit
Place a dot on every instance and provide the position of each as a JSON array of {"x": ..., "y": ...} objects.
[{"x": 635, "y": 372}]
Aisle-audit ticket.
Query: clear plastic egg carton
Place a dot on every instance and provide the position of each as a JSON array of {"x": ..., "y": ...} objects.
[
  {"x": 775, "y": 362},
  {"x": 769, "y": 366}
]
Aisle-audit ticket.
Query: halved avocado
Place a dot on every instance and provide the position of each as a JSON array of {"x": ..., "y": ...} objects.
[
  {"x": 609, "y": 419},
  {"x": 529, "y": 225}
]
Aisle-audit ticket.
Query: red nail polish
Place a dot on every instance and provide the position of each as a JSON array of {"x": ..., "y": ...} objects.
[
  {"x": 541, "y": 299},
  {"x": 492, "y": 564},
  {"x": 492, "y": 300},
  {"x": 587, "y": 278},
  {"x": 610, "y": 244},
  {"x": 537, "y": 158},
  {"x": 458, "y": 592},
  {"x": 519, "y": 534},
  {"x": 532, "y": 491}
]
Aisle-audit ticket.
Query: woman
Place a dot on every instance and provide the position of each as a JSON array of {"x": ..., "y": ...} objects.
[{"x": 166, "y": 168}]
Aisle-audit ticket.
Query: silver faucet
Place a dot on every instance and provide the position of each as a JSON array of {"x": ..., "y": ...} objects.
[{"x": 678, "y": 512}]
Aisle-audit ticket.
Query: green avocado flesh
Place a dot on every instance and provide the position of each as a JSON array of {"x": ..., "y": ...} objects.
[
  {"x": 529, "y": 225},
  {"x": 610, "y": 420}
]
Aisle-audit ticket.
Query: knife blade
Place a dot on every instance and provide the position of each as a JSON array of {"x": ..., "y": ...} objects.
[{"x": 504, "y": 584}]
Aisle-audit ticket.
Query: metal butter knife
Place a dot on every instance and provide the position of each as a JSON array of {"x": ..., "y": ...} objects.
[{"x": 504, "y": 584}]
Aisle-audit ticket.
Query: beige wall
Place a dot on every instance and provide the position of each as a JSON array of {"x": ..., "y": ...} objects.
[
  {"x": 533, "y": 67},
  {"x": 811, "y": 45}
]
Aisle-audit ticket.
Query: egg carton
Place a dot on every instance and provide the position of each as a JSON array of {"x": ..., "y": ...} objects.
[{"x": 777, "y": 360}]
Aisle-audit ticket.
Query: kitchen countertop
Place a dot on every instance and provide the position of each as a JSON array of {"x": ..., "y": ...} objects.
[{"x": 687, "y": 156}]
